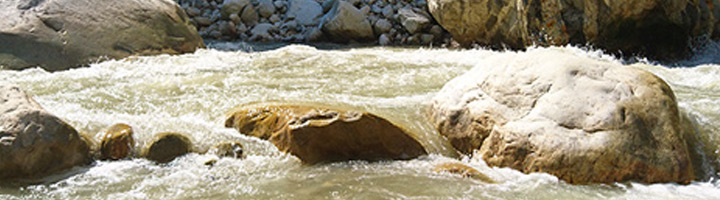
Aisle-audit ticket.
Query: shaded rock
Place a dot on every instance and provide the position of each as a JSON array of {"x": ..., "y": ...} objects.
[
  {"x": 316, "y": 134},
  {"x": 582, "y": 120},
  {"x": 235, "y": 18},
  {"x": 657, "y": 28},
  {"x": 57, "y": 35},
  {"x": 382, "y": 26},
  {"x": 231, "y": 149},
  {"x": 249, "y": 16},
  {"x": 384, "y": 40},
  {"x": 426, "y": 38},
  {"x": 203, "y": 21},
  {"x": 388, "y": 12},
  {"x": 412, "y": 21},
  {"x": 274, "y": 19},
  {"x": 314, "y": 35},
  {"x": 344, "y": 22},
  {"x": 266, "y": 8},
  {"x": 117, "y": 143},
  {"x": 261, "y": 32},
  {"x": 227, "y": 28},
  {"x": 33, "y": 142},
  {"x": 192, "y": 11},
  {"x": 436, "y": 31},
  {"x": 230, "y": 7},
  {"x": 463, "y": 170},
  {"x": 305, "y": 11},
  {"x": 165, "y": 147}
]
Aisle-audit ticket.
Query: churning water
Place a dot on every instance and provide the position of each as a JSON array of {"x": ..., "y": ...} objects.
[{"x": 191, "y": 93}]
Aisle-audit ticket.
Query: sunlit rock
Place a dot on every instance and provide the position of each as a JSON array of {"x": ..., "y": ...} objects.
[
  {"x": 344, "y": 22},
  {"x": 463, "y": 170},
  {"x": 165, "y": 147},
  {"x": 580, "y": 119},
  {"x": 33, "y": 142},
  {"x": 318, "y": 134},
  {"x": 63, "y": 34},
  {"x": 117, "y": 143}
]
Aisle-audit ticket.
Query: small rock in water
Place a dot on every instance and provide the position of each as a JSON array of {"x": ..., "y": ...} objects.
[
  {"x": 117, "y": 143},
  {"x": 231, "y": 149},
  {"x": 463, "y": 170},
  {"x": 168, "y": 146}
]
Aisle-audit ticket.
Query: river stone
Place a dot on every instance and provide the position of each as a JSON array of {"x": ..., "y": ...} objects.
[
  {"x": 266, "y": 8},
  {"x": 412, "y": 21},
  {"x": 117, "y": 143},
  {"x": 58, "y": 35},
  {"x": 165, "y": 147},
  {"x": 382, "y": 26},
  {"x": 463, "y": 170},
  {"x": 580, "y": 119},
  {"x": 384, "y": 40},
  {"x": 230, "y": 7},
  {"x": 249, "y": 16},
  {"x": 230, "y": 149},
  {"x": 261, "y": 32},
  {"x": 660, "y": 29},
  {"x": 305, "y": 11},
  {"x": 33, "y": 142},
  {"x": 319, "y": 134},
  {"x": 344, "y": 23}
]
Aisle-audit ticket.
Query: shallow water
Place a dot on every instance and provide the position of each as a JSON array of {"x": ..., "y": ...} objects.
[{"x": 191, "y": 93}]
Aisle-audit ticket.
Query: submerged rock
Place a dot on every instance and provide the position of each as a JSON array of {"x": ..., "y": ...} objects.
[
  {"x": 580, "y": 119},
  {"x": 231, "y": 149},
  {"x": 656, "y": 28},
  {"x": 165, "y": 147},
  {"x": 317, "y": 134},
  {"x": 463, "y": 170},
  {"x": 118, "y": 142},
  {"x": 33, "y": 142},
  {"x": 344, "y": 22},
  {"x": 58, "y": 34}
]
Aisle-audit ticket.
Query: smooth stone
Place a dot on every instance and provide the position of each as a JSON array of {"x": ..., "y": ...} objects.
[
  {"x": 382, "y": 26},
  {"x": 388, "y": 12},
  {"x": 230, "y": 7},
  {"x": 192, "y": 11},
  {"x": 274, "y": 19},
  {"x": 165, "y": 147},
  {"x": 384, "y": 40},
  {"x": 266, "y": 8},
  {"x": 261, "y": 32},
  {"x": 320, "y": 134},
  {"x": 249, "y": 16},
  {"x": 117, "y": 143},
  {"x": 33, "y": 142},
  {"x": 305, "y": 11},
  {"x": 426, "y": 38},
  {"x": 346, "y": 23},
  {"x": 412, "y": 21},
  {"x": 203, "y": 21}
]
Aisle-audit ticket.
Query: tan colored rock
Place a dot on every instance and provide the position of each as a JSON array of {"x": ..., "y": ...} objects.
[
  {"x": 657, "y": 28},
  {"x": 230, "y": 7},
  {"x": 318, "y": 134},
  {"x": 463, "y": 170},
  {"x": 582, "y": 120},
  {"x": 63, "y": 34},
  {"x": 33, "y": 142},
  {"x": 165, "y": 147},
  {"x": 118, "y": 142}
]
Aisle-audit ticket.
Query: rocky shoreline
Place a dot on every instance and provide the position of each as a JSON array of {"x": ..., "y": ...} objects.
[{"x": 382, "y": 22}]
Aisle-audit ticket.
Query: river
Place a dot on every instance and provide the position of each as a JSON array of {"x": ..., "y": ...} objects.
[{"x": 191, "y": 93}]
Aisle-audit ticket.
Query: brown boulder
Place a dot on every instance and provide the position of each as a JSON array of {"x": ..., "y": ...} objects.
[
  {"x": 318, "y": 134},
  {"x": 33, "y": 142},
  {"x": 580, "y": 119},
  {"x": 167, "y": 146},
  {"x": 117, "y": 143}
]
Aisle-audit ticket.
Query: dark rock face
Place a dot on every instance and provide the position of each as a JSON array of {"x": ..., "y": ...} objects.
[
  {"x": 582, "y": 120},
  {"x": 63, "y": 34},
  {"x": 657, "y": 28},
  {"x": 168, "y": 146},
  {"x": 33, "y": 142},
  {"x": 318, "y": 135}
]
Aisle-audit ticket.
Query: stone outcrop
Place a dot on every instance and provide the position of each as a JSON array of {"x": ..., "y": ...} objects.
[
  {"x": 344, "y": 23},
  {"x": 33, "y": 142},
  {"x": 463, "y": 170},
  {"x": 579, "y": 119},
  {"x": 165, "y": 147},
  {"x": 656, "y": 28},
  {"x": 63, "y": 34},
  {"x": 117, "y": 143},
  {"x": 317, "y": 134}
]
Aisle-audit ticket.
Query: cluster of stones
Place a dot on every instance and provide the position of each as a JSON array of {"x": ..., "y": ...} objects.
[{"x": 386, "y": 22}]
